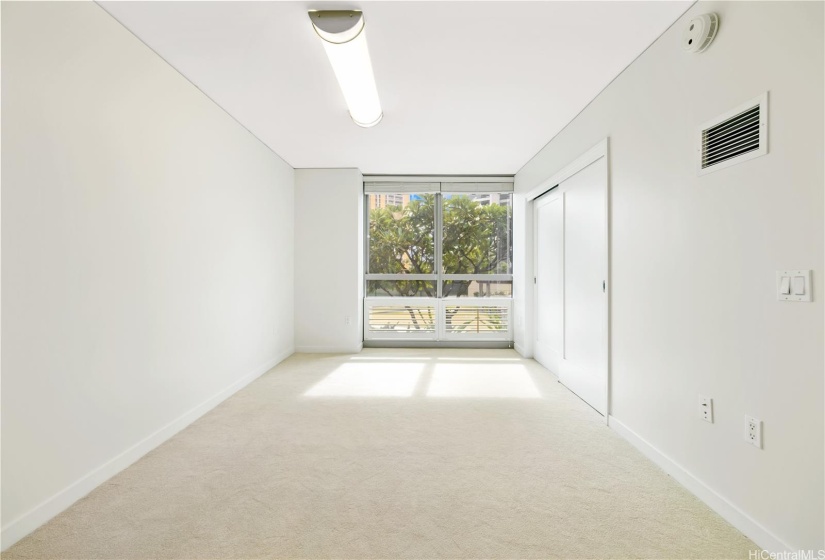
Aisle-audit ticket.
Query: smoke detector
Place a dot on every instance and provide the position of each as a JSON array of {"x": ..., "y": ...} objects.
[{"x": 700, "y": 32}]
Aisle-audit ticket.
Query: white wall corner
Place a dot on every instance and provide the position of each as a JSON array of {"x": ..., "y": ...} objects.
[
  {"x": 328, "y": 291},
  {"x": 523, "y": 352},
  {"x": 360, "y": 235}
]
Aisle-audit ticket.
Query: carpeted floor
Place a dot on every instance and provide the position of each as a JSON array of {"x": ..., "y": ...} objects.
[{"x": 393, "y": 454}]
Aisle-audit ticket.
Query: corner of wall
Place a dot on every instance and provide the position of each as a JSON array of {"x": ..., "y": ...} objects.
[{"x": 329, "y": 259}]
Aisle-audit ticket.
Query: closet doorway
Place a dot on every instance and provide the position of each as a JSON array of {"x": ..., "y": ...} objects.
[{"x": 570, "y": 278}]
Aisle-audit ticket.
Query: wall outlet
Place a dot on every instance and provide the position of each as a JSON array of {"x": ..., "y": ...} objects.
[
  {"x": 347, "y": 320},
  {"x": 706, "y": 408},
  {"x": 753, "y": 431}
]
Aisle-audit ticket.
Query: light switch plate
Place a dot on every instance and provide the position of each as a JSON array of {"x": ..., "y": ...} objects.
[{"x": 790, "y": 275}]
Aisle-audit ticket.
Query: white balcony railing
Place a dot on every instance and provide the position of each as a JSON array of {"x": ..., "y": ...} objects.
[{"x": 423, "y": 318}]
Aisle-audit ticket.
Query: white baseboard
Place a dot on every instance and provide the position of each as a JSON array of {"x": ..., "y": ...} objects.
[
  {"x": 34, "y": 518},
  {"x": 729, "y": 512},
  {"x": 329, "y": 349},
  {"x": 522, "y": 351}
]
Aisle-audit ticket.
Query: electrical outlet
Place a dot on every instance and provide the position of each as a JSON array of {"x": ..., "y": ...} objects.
[
  {"x": 347, "y": 320},
  {"x": 753, "y": 431},
  {"x": 706, "y": 408}
]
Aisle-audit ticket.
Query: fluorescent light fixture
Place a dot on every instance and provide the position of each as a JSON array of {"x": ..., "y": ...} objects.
[{"x": 345, "y": 41}]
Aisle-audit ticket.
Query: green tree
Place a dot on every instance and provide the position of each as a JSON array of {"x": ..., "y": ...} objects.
[
  {"x": 476, "y": 240},
  {"x": 401, "y": 241}
]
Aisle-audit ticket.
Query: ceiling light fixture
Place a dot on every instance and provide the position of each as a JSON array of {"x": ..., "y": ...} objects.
[{"x": 345, "y": 41}]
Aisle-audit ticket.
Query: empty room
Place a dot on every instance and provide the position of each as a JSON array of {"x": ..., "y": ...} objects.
[{"x": 412, "y": 279}]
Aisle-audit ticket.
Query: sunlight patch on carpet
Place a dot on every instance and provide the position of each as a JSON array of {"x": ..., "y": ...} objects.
[
  {"x": 482, "y": 381},
  {"x": 369, "y": 380}
]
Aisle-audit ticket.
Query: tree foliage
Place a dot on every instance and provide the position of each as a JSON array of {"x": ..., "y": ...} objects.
[{"x": 476, "y": 240}]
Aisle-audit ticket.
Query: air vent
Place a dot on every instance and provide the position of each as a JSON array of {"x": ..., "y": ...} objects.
[{"x": 736, "y": 136}]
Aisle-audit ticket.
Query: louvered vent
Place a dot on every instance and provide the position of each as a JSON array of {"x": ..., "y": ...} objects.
[{"x": 735, "y": 137}]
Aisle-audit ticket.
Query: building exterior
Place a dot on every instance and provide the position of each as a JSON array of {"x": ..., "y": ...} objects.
[{"x": 388, "y": 199}]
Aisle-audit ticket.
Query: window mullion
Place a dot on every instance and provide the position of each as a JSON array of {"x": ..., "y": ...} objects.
[
  {"x": 437, "y": 238},
  {"x": 366, "y": 221}
]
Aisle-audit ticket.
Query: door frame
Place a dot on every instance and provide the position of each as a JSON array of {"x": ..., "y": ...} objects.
[{"x": 600, "y": 150}]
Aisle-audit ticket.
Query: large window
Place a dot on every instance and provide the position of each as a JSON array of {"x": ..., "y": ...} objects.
[{"x": 439, "y": 264}]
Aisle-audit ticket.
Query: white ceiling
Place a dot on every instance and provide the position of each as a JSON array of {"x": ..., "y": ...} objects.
[{"x": 466, "y": 87}]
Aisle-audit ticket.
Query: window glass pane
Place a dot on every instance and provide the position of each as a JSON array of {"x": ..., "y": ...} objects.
[
  {"x": 478, "y": 233},
  {"x": 476, "y": 320},
  {"x": 477, "y": 288},
  {"x": 401, "y": 230},
  {"x": 402, "y": 318},
  {"x": 475, "y": 240},
  {"x": 401, "y": 288}
]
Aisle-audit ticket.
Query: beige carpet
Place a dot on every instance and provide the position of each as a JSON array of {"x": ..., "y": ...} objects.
[{"x": 393, "y": 454}]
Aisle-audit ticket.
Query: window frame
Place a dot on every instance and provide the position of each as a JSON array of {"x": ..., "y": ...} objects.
[{"x": 440, "y": 302}]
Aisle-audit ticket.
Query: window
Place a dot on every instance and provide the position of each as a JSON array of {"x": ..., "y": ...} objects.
[
  {"x": 439, "y": 264},
  {"x": 477, "y": 254},
  {"x": 401, "y": 245}
]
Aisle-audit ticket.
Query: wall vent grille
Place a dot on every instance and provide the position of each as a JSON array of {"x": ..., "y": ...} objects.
[{"x": 734, "y": 137}]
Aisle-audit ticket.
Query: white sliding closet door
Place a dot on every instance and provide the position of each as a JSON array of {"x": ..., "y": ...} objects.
[
  {"x": 571, "y": 276},
  {"x": 549, "y": 270}
]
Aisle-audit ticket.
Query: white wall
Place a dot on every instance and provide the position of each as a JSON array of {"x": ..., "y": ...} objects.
[
  {"x": 147, "y": 244},
  {"x": 694, "y": 308},
  {"x": 329, "y": 282}
]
